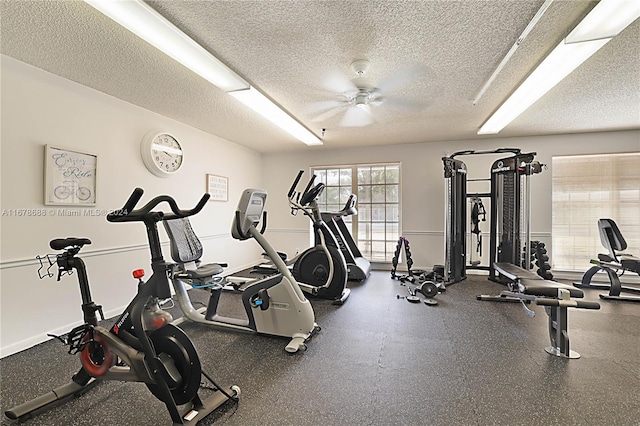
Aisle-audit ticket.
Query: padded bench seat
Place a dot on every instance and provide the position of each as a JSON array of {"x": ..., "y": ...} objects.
[
  {"x": 526, "y": 286},
  {"x": 533, "y": 284}
]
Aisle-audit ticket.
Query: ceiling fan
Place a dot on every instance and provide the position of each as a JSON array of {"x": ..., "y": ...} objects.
[{"x": 359, "y": 95}]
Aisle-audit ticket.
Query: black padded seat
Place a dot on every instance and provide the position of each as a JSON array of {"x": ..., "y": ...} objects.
[
  {"x": 534, "y": 284},
  {"x": 630, "y": 263},
  {"x": 540, "y": 287},
  {"x": 204, "y": 271},
  {"x": 61, "y": 243}
]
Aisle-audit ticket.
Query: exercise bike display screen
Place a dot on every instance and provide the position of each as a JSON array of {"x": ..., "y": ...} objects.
[{"x": 254, "y": 209}]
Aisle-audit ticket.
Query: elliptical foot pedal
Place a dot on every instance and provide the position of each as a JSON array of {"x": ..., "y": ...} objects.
[
  {"x": 430, "y": 302},
  {"x": 343, "y": 297}
]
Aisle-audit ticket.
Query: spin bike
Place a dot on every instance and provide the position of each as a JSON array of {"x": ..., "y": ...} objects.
[
  {"x": 320, "y": 270},
  {"x": 274, "y": 305},
  {"x": 142, "y": 345}
]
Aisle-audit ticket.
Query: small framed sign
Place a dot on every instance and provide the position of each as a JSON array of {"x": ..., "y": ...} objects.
[
  {"x": 218, "y": 187},
  {"x": 69, "y": 177}
]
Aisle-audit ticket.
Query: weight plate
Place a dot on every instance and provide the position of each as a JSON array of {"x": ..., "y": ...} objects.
[{"x": 429, "y": 289}]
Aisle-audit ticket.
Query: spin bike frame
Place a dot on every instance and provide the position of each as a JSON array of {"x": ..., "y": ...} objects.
[{"x": 127, "y": 338}]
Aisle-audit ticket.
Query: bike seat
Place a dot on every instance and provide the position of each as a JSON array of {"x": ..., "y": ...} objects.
[
  {"x": 201, "y": 272},
  {"x": 61, "y": 243}
]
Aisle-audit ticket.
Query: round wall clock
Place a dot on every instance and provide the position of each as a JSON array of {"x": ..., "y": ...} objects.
[{"x": 161, "y": 153}]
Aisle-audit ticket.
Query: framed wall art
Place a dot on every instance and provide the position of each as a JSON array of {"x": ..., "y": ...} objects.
[
  {"x": 218, "y": 187},
  {"x": 69, "y": 177}
]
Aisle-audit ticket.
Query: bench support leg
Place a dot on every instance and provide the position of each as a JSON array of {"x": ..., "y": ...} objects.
[{"x": 558, "y": 329}]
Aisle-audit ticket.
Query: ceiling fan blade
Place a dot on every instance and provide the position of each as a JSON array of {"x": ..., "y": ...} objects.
[
  {"x": 406, "y": 75},
  {"x": 376, "y": 99},
  {"x": 336, "y": 82},
  {"x": 357, "y": 116},
  {"x": 329, "y": 113},
  {"x": 322, "y": 106}
]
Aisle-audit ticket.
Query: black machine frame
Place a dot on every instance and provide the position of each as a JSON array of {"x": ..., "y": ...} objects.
[
  {"x": 509, "y": 214},
  {"x": 511, "y": 249}
]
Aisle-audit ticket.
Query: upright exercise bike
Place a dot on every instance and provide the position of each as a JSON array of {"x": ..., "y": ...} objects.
[
  {"x": 274, "y": 305},
  {"x": 142, "y": 346}
]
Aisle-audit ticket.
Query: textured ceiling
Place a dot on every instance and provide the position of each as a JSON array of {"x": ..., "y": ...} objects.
[{"x": 298, "y": 52}]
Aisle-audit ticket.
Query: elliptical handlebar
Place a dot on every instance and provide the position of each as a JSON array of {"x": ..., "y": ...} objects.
[
  {"x": 300, "y": 200},
  {"x": 311, "y": 195},
  {"x": 292, "y": 190},
  {"x": 348, "y": 209},
  {"x": 127, "y": 214},
  {"x": 305, "y": 193}
]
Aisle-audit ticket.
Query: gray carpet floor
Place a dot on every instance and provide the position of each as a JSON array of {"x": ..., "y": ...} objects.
[{"x": 380, "y": 360}]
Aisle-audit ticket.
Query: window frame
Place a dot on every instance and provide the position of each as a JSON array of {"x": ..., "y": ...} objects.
[{"x": 365, "y": 245}]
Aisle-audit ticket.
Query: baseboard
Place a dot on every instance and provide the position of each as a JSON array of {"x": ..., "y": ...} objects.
[{"x": 43, "y": 337}]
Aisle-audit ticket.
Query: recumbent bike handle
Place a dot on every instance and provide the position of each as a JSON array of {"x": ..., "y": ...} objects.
[{"x": 127, "y": 214}]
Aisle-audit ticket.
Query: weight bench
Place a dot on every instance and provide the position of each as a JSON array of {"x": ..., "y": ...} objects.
[
  {"x": 612, "y": 239},
  {"x": 528, "y": 287}
]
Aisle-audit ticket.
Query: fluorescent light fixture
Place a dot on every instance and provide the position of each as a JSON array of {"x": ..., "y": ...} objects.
[
  {"x": 513, "y": 49},
  {"x": 265, "y": 107},
  {"x": 146, "y": 23},
  {"x": 561, "y": 62},
  {"x": 606, "y": 20}
]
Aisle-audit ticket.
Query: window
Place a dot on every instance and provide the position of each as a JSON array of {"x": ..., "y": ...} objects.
[
  {"x": 587, "y": 188},
  {"x": 376, "y": 227}
]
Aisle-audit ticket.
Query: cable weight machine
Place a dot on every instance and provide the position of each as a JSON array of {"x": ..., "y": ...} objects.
[{"x": 509, "y": 213}]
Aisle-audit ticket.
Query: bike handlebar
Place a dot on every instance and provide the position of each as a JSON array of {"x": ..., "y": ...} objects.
[{"x": 127, "y": 214}]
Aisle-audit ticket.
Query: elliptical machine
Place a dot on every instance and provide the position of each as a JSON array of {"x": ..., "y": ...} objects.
[
  {"x": 358, "y": 267},
  {"x": 274, "y": 305},
  {"x": 142, "y": 345},
  {"x": 320, "y": 270}
]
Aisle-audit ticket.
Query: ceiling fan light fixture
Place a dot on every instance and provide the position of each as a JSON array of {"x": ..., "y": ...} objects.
[
  {"x": 360, "y": 67},
  {"x": 563, "y": 60},
  {"x": 361, "y": 99}
]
